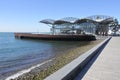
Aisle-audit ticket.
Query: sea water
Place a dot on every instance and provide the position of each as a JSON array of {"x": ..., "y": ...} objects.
[{"x": 18, "y": 54}]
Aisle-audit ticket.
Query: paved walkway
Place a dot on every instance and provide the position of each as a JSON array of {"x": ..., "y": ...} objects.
[{"x": 107, "y": 65}]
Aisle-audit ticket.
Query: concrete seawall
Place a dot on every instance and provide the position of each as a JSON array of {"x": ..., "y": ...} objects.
[
  {"x": 70, "y": 71},
  {"x": 107, "y": 64}
]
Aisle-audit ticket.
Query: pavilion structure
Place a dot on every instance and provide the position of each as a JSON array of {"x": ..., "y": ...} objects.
[{"x": 96, "y": 25}]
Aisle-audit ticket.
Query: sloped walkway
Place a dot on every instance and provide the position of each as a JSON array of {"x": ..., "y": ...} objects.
[{"x": 107, "y": 65}]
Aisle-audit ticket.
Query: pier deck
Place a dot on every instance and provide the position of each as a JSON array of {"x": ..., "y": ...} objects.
[
  {"x": 55, "y": 37},
  {"x": 107, "y": 65}
]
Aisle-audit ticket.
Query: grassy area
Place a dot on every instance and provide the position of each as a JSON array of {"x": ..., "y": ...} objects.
[{"x": 61, "y": 61}]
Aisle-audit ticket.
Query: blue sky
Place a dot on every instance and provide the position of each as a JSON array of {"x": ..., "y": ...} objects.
[{"x": 24, "y": 15}]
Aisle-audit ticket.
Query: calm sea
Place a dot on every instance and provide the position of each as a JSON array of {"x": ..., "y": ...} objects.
[{"x": 18, "y": 54}]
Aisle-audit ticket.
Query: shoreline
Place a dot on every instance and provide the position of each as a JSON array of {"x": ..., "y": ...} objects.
[
  {"x": 33, "y": 67},
  {"x": 22, "y": 72},
  {"x": 35, "y": 71}
]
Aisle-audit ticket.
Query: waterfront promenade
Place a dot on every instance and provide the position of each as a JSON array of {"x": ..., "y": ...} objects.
[{"x": 107, "y": 64}]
